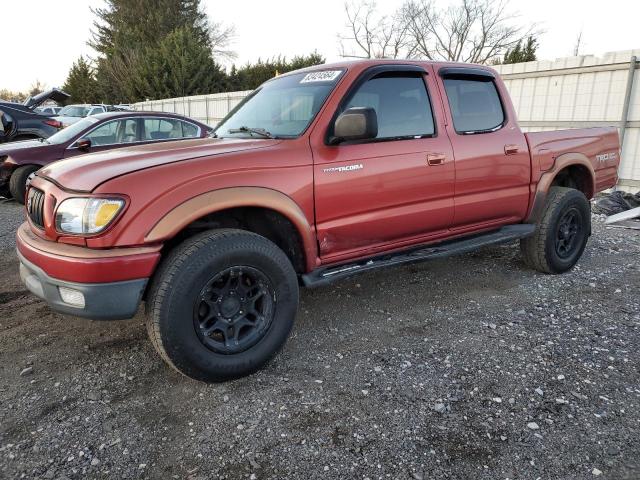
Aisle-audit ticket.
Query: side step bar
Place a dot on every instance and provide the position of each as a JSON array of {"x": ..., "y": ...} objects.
[{"x": 324, "y": 276}]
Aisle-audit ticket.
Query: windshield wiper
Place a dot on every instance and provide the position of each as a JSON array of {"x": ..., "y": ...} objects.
[{"x": 258, "y": 131}]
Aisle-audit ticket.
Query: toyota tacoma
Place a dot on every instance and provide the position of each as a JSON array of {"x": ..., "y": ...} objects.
[{"x": 318, "y": 175}]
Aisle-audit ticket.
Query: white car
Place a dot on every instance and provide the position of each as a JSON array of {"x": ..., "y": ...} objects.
[
  {"x": 72, "y": 113},
  {"x": 49, "y": 110}
]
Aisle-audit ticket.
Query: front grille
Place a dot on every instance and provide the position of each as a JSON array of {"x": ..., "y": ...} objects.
[{"x": 35, "y": 206}]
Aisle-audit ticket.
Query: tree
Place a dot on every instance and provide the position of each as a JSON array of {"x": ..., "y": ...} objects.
[
  {"x": 477, "y": 31},
  {"x": 81, "y": 83},
  {"x": 36, "y": 88},
  {"x": 178, "y": 66},
  {"x": 251, "y": 76},
  {"x": 520, "y": 53},
  {"x": 130, "y": 24},
  {"x": 11, "y": 96},
  {"x": 370, "y": 35},
  {"x": 128, "y": 30}
]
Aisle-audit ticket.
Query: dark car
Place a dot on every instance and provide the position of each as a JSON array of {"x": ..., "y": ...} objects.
[
  {"x": 100, "y": 132},
  {"x": 20, "y": 121}
]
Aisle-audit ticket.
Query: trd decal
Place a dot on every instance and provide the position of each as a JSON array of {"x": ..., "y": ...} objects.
[{"x": 606, "y": 156}]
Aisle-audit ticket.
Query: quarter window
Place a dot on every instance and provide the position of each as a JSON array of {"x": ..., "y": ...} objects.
[
  {"x": 401, "y": 103},
  {"x": 475, "y": 105},
  {"x": 167, "y": 129}
]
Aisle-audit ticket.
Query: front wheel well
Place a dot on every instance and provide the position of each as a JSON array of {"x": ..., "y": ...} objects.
[
  {"x": 262, "y": 221},
  {"x": 577, "y": 177}
]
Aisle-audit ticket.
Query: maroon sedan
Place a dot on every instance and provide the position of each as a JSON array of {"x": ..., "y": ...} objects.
[{"x": 105, "y": 131}]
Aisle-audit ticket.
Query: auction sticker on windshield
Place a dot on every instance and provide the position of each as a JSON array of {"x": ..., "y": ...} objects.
[{"x": 323, "y": 76}]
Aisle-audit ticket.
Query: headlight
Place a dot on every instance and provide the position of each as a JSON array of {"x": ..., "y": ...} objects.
[{"x": 87, "y": 215}]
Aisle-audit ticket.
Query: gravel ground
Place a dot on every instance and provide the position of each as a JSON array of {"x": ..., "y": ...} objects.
[{"x": 470, "y": 367}]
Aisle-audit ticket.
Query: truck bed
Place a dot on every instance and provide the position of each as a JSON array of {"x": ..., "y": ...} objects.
[{"x": 599, "y": 145}]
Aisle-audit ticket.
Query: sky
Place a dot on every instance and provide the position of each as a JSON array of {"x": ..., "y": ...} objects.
[{"x": 51, "y": 35}]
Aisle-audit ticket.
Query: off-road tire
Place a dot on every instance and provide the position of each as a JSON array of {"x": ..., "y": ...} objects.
[
  {"x": 178, "y": 284},
  {"x": 18, "y": 181},
  {"x": 540, "y": 251}
]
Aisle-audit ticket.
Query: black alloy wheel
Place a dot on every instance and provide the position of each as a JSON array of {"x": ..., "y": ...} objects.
[
  {"x": 234, "y": 310},
  {"x": 568, "y": 233}
]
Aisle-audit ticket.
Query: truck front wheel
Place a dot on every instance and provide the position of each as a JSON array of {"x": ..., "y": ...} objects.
[
  {"x": 222, "y": 304},
  {"x": 561, "y": 234}
]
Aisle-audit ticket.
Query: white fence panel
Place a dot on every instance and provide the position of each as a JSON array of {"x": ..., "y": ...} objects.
[
  {"x": 578, "y": 92},
  {"x": 209, "y": 109}
]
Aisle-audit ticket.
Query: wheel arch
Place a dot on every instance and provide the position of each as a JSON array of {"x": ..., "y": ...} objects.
[
  {"x": 258, "y": 209},
  {"x": 567, "y": 168},
  {"x": 572, "y": 170}
]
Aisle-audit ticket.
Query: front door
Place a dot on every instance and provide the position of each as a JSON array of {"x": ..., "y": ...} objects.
[
  {"x": 109, "y": 135},
  {"x": 396, "y": 189}
]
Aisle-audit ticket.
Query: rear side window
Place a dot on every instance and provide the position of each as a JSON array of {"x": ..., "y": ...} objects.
[
  {"x": 401, "y": 103},
  {"x": 162, "y": 129},
  {"x": 475, "y": 105},
  {"x": 189, "y": 130}
]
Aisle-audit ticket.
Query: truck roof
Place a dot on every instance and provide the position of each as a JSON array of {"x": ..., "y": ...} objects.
[{"x": 366, "y": 63}]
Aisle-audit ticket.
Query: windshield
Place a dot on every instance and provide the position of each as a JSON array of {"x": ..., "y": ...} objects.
[
  {"x": 74, "y": 111},
  {"x": 71, "y": 131},
  {"x": 283, "y": 107}
]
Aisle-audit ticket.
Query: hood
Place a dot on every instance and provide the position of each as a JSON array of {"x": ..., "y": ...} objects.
[
  {"x": 54, "y": 94},
  {"x": 23, "y": 148},
  {"x": 85, "y": 172}
]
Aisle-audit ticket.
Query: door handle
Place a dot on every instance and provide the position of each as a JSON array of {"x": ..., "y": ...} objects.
[
  {"x": 435, "y": 158},
  {"x": 510, "y": 149}
]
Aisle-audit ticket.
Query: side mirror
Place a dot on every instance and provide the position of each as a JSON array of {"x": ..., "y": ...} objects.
[
  {"x": 356, "y": 123},
  {"x": 84, "y": 144}
]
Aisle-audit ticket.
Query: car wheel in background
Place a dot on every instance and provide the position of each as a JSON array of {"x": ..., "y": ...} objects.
[{"x": 18, "y": 181}]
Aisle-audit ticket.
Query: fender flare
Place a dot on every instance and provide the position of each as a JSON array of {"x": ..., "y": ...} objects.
[
  {"x": 546, "y": 179},
  {"x": 225, "y": 198}
]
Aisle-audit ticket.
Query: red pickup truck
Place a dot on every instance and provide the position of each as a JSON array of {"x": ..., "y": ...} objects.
[{"x": 319, "y": 174}]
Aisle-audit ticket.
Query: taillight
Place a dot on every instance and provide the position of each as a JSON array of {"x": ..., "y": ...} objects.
[{"x": 53, "y": 123}]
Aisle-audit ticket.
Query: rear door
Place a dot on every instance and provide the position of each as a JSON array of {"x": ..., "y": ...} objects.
[
  {"x": 493, "y": 167},
  {"x": 391, "y": 190}
]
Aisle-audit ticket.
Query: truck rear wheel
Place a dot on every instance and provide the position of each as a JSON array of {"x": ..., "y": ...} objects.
[
  {"x": 561, "y": 234},
  {"x": 222, "y": 304}
]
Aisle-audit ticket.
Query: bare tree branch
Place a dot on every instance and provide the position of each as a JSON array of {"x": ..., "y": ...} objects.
[
  {"x": 370, "y": 35},
  {"x": 477, "y": 31},
  {"x": 222, "y": 37}
]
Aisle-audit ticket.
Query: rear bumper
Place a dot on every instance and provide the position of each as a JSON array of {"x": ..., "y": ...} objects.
[{"x": 100, "y": 301}]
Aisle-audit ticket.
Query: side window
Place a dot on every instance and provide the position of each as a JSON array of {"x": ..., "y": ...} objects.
[
  {"x": 114, "y": 132},
  {"x": 475, "y": 104},
  {"x": 162, "y": 129},
  {"x": 189, "y": 130},
  {"x": 401, "y": 103},
  {"x": 104, "y": 135},
  {"x": 128, "y": 131}
]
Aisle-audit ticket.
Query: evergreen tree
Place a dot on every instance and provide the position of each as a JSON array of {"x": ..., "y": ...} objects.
[
  {"x": 522, "y": 53},
  {"x": 251, "y": 76},
  {"x": 179, "y": 66},
  {"x": 81, "y": 83},
  {"x": 129, "y": 30}
]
